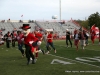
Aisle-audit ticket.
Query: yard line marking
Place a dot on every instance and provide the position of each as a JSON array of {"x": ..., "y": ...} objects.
[
  {"x": 74, "y": 60},
  {"x": 60, "y": 61}
]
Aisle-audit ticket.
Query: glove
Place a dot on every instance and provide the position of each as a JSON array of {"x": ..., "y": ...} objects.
[
  {"x": 31, "y": 42},
  {"x": 39, "y": 43}
]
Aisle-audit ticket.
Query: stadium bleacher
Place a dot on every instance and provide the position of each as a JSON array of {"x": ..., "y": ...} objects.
[{"x": 56, "y": 26}]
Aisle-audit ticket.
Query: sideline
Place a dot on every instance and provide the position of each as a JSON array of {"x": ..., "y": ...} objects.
[{"x": 74, "y": 47}]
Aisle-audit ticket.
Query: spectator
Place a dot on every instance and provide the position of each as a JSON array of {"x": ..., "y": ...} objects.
[{"x": 68, "y": 38}]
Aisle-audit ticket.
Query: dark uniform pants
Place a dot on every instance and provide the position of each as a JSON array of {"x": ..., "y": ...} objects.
[{"x": 28, "y": 52}]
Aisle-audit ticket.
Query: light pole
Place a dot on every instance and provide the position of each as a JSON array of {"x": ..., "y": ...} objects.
[{"x": 60, "y": 9}]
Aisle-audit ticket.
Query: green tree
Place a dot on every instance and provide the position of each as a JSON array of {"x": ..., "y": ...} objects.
[
  {"x": 94, "y": 19},
  {"x": 83, "y": 23}
]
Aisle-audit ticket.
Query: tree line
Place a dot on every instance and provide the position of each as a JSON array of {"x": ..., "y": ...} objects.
[{"x": 92, "y": 19}]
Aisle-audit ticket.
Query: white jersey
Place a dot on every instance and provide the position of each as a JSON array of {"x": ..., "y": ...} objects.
[
  {"x": 45, "y": 37},
  {"x": 76, "y": 37}
]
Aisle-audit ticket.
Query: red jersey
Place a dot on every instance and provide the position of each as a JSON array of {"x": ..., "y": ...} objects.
[
  {"x": 93, "y": 35},
  {"x": 49, "y": 38},
  {"x": 30, "y": 37},
  {"x": 19, "y": 38},
  {"x": 38, "y": 35}
]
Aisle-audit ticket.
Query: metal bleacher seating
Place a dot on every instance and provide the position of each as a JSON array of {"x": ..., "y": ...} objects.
[
  {"x": 56, "y": 26},
  {"x": 6, "y": 26},
  {"x": 10, "y": 26},
  {"x": 70, "y": 26},
  {"x": 52, "y": 25},
  {"x": 17, "y": 25}
]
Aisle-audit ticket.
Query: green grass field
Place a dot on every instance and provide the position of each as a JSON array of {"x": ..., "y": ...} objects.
[{"x": 67, "y": 61}]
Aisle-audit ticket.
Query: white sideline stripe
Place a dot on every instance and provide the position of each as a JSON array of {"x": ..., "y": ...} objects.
[
  {"x": 74, "y": 60},
  {"x": 74, "y": 47}
]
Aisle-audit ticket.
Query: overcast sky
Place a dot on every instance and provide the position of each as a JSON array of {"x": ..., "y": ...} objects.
[{"x": 45, "y": 9}]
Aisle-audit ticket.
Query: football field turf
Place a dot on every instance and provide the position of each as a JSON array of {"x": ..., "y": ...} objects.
[{"x": 67, "y": 61}]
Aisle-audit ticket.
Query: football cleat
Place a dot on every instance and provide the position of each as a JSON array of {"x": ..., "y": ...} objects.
[
  {"x": 33, "y": 61},
  {"x": 55, "y": 51},
  {"x": 47, "y": 52}
]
